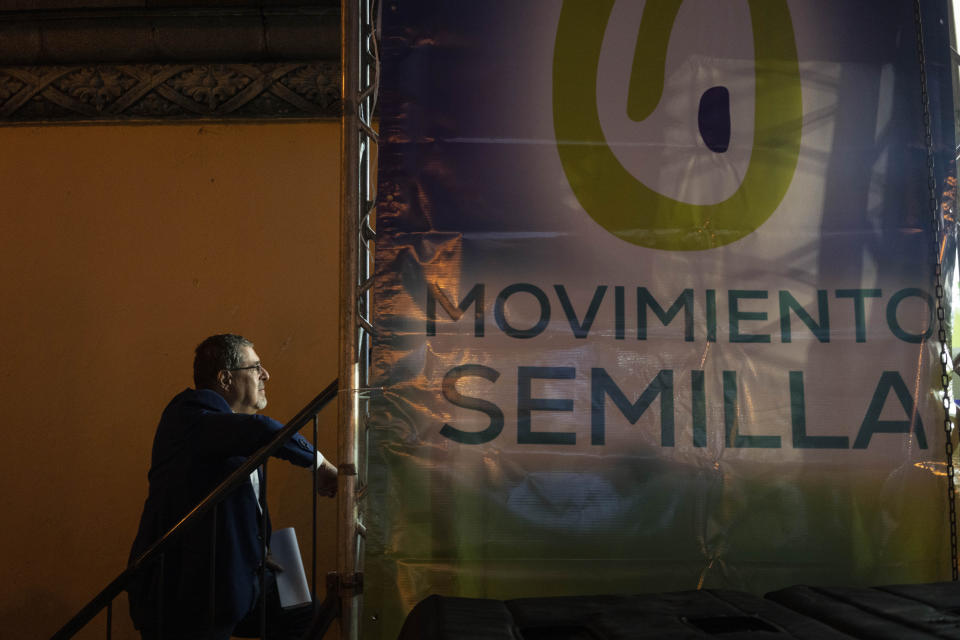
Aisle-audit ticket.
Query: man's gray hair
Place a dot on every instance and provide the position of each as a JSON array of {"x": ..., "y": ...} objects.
[{"x": 222, "y": 351}]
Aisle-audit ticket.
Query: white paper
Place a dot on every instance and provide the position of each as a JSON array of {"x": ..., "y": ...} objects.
[{"x": 292, "y": 581}]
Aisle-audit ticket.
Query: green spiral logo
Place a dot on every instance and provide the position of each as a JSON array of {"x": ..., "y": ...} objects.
[{"x": 616, "y": 199}]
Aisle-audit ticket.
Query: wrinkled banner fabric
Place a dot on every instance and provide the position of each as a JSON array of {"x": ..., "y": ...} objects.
[{"x": 654, "y": 299}]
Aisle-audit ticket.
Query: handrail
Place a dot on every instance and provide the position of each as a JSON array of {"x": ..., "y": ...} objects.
[{"x": 238, "y": 476}]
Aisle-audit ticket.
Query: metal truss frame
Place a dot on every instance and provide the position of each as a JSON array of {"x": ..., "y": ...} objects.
[{"x": 360, "y": 78}]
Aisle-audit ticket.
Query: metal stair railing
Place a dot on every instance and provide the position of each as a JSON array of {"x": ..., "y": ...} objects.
[{"x": 324, "y": 615}]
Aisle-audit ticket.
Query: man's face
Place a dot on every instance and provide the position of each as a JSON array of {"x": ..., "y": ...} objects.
[{"x": 244, "y": 387}]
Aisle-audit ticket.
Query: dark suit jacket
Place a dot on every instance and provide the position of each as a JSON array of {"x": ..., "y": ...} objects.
[{"x": 200, "y": 441}]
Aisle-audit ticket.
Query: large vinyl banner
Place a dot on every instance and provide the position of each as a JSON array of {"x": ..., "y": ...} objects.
[{"x": 654, "y": 299}]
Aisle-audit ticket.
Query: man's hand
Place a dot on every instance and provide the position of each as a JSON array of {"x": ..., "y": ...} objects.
[
  {"x": 327, "y": 479},
  {"x": 272, "y": 564}
]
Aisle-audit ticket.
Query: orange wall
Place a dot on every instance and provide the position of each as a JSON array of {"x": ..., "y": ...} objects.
[{"x": 123, "y": 247}]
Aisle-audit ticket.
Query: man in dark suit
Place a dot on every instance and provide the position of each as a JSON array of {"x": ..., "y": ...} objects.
[{"x": 204, "y": 434}]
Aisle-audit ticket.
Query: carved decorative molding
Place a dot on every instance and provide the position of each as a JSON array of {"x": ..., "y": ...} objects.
[{"x": 138, "y": 92}]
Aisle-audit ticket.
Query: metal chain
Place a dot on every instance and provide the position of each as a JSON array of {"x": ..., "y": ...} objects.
[{"x": 935, "y": 229}]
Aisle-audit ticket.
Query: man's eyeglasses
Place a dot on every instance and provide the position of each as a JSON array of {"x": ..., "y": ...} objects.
[{"x": 257, "y": 366}]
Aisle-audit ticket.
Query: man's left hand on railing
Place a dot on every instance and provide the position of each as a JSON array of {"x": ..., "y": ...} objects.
[{"x": 327, "y": 479}]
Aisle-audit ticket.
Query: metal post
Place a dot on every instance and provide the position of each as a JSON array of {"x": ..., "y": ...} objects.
[
  {"x": 313, "y": 521},
  {"x": 263, "y": 550}
]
